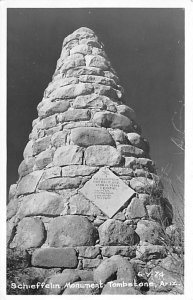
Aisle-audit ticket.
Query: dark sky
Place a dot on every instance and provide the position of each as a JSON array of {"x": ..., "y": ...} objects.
[{"x": 145, "y": 46}]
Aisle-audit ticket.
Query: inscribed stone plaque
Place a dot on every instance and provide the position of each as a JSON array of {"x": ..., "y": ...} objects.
[{"x": 107, "y": 191}]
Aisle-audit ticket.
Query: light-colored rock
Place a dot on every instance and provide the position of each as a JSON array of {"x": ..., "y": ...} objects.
[
  {"x": 82, "y": 49},
  {"x": 145, "y": 185},
  {"x": 72, "y": 61},
  {"x": 68, "y": 155},
  {"x": 48, "y": 122},
  {"x": 128, "y": 251},
  {"x": 94, "y": 101},
  {"x": 122, "y": 171},
  {"x": 149, "y": 231},
  {"x": 131, "y": 162},
  {"x": 75, "y": 115},
  {"x": 41, "y": 145},
  {"x": 79, "y": 205},
  {"x": 118, "y": 135},
  {"x": 55, "y": 257},
  {"x": 131, "y": 151},
  {"x": 88, "y": 251},
  {"x": 28, "y": 151},
  {"x": 59, "y": 138},
  {"x": 29, "y": 183},
  {"x": 83, "y": 71},
  {"x": 149, "y": 251},
  {"x": 101, "y": 155},
  {"x": 59, "y": 183},
  {"x": 107, "y": 91},
  {"x": 114, "y": 232},
  {"x": 88, "y": 136},
  {"x": 136, "y": 140},
  {"x": 78, "y": 170},
  {"x": 41, "y": 204},
  {"x": 85, "y": 275},
  {"x": 97, "y": 61},
  {"x": 52, "y": 173},
  {"x": 12, "y": 191},
  {"x": 70, "y": 231},
  {"x": 12, "y": 208},
  {"x": 60, "y": 281},
  {"x": 50, "y": 108},
  {"x": 136, "y": 209},
  {"x": 147, "y": 164},
  {"x": 30, "y": 234},
  {"x": 113, "y": 120},
  {"x": 72, "y": 91},
  {"x": 97, "y": 79},
  {"x": 82, "y": 288},
  {"x": 114, "y": 267},
  {"x": 26, "y": 166},
  {"x": 90, "y": 263},
  {"x": 44, "y": 158}
]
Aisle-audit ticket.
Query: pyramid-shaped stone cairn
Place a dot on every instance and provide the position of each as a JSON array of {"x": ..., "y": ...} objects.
[{"x": 87, "y": 188}]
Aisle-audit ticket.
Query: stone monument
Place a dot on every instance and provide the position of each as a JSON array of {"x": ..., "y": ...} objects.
[{"x": 88, "y": 205}]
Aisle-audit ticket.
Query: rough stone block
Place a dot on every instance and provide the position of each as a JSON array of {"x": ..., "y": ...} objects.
[
  {"x": 78, "y": 170},
  {"x": 88, "y": 136},
  {"x": 88, "y": 251},
  {"x": 41, "y": 145},
  {"x": 59, "y": 282},
  {"x": 84, "y": 71},
  {"x": 28, "y": 151},
  {"x": 79, "y": 205},
  {"x": 59, "y": 138},
  {"x": 107, "y": 91},
  {"x": 101, "y": 155},
  {"x": 149, "y": 251},
  {"x": 91, "y": 263},
  {"x": 12, "y": 208},
  {"x": 132, "y": 151},
  {"x": 68, "y": 155},
  {"x": 73, "y": 61},
  {"x": 144, "y": 185},
  {"x": 97, "y": 61},
  {"x": 126, "y": 111},
  {"x": 70, "y": 231},
  {"x": 30, "y": 234},
  {"x": 75, "y": 115},
  {"x": 52, "y": 173},
  {"x": 114, "y": 232},
  {"x": 42, "y": 204},
  {"x": 72, "y": 91},
  {"x": 59, "y": 183},
  {"x": 26, "y": 166},
  {"x": 48, "y": 122},
  {"x": 29, "y": 183},
  {"x": 94, "y": 101},
  {"x": 55, "y": 257},
  {"x": 44, "y": 158},
  {"x": 113, "y": 120},
  {"x": 136, "y": 209},
  {"x": 50, "y": 108},
  {"x": 12, "y": 191},
  {"x": 136, "y": 140},
  {"x": 149, "y": 231},
  {"x": 128, "y": 251}
]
